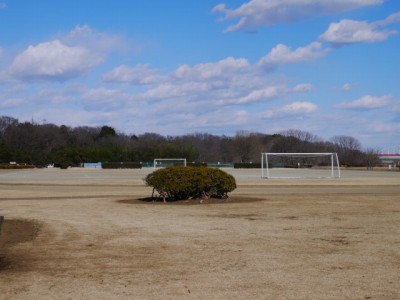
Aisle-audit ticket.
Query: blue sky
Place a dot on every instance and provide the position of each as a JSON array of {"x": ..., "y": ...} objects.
[{"x": 175, "y": 67}]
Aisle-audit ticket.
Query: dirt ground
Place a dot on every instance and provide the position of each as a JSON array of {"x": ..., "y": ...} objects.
[{"x": 82, "y": 234}]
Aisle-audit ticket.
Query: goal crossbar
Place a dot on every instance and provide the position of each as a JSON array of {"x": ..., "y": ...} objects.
[{"x": 334, "y": 164}]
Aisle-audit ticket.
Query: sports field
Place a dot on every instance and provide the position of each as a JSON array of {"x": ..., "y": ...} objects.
[{"x": 275, "y": 239}]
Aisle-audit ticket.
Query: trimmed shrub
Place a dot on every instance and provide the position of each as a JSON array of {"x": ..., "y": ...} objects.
[
  {"x": 121, "y": 165},
  {"x": 19, "y": 166},
  {"x": 247, "y": 165},
  {"x": 180, "y": 183},
  {"x": 196, "y": 164}
]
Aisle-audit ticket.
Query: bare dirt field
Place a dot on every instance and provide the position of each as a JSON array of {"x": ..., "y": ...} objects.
[{"x": 82, "y": 234}]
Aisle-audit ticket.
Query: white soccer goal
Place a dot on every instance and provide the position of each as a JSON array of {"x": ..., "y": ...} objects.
[
  {"x": 300, "y": 165},
  {"x": 167, "y": 162}
]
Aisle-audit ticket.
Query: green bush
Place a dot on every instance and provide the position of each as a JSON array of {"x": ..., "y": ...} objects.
[
  {"x": 247, "y": 165},
  {"x": 121, "y": 165},
  {"x": 179, "y": 183},
  {"x": 196, "y": 164},
  {"x": 19, "y": 166}
]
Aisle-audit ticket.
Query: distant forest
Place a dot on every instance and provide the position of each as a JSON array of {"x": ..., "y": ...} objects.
[{"x": 41, "y": 144}]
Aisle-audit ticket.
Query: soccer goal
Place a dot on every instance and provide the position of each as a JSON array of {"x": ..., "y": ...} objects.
[
  {"x": 300, "y": 165},
  {"x": 167, "y": 162}
]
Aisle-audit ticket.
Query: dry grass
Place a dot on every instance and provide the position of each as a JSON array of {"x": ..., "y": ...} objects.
[{"x": 302, "y": 240}]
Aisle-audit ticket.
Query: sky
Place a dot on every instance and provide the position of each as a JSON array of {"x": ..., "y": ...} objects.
[{"x": 205, "y": 66}]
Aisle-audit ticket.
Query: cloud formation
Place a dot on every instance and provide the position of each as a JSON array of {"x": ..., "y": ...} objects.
[
  {"x": 217, "y": 70},
  {"x": 137, "y": 75},
  {"x": 230, "y": 81},
  {"x": 346, "y": 87},
  {"x": 263, "y": 94},
  {"x": 65, "y": 57},
  {"x": 282, "y": 54},
  {"x": 367, "y": 102},
  {"x": 270, "y": 12},
  {"x": 11, "y": 103},
  {"x": 295, "y": 109},
  {"x": 96, "y": 41},
  {"x": 104, "y": 99},
  {"x": 348, "y": 32},
  {"x": 303, "y": 88},
  {"x": 54, "y": 61}
]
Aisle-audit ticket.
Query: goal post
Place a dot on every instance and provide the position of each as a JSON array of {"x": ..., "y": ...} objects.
[
  {"x": 167, "y": 162},
  {"x": 300, "y": 165}
]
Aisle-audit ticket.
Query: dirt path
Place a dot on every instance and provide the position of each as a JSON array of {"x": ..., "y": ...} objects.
[{"x": 315, "y": 241}]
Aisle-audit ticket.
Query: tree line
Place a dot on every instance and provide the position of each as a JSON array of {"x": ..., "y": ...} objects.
[{"x": 41, "y": 144}]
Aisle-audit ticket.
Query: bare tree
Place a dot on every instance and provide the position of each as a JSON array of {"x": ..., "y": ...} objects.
[
  {"x": 348, "y": 149},
  {"x": 248, "y": 146},
  {"x": 6, "y": 122},
  {"x": 370, "y": 158},
  {"x": 346, "y": 142},
  {"x": 302, "y": 135}
]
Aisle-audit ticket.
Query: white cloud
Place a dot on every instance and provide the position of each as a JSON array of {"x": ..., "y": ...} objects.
[
  {"x": 53, "y": 60},
  {"x": 346, "y": 87},
  {"x": 214, "y": 80},
  {"x": 11, "y": 103},
  {"x": 282, "y": 54},
  {"x": 95, "y": 41},
  {"x": 228, "y": 81},
  {"x": 68, "y": 56},
  {"x": 239, "y": 96},
  {"x": 103, "y": 99},
  {"x": 270, "y": 12},
  {"x": 219, "y": 118},
  {"x": 54, "y": 96},
  {"x": 366, "y": 103},
  {"x": 396, "y": 107},
  {"x": 393, "y": 18},
  {"x": 209, "y": 91},
  {"x": 260, "y": 95},
  {"x": 220, "y": 69},
  {"x": 383, "y": 127},
  {"x": 5, "y": 76},
  {"x": 2, "y": 5},
  {"x": 299, "y": 107},
  {"x": 303, "y": 88},
  {"x": 221, "y": 83},
  {"x": 140, "y": 74},
  {"x": 190, "y": 90},
  {"x": 295, "y": 109},
  {"x": 351, "y": 32},
  {"x": 226, "y": 118}
]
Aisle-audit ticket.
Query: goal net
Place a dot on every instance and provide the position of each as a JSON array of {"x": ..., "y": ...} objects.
[
  {"x": 167, "y": 162},
  {"x": 300, "y": 165}
]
